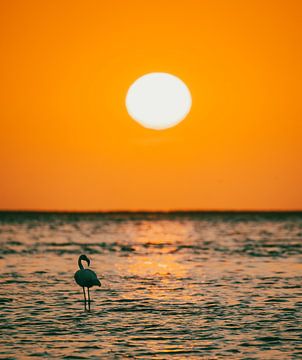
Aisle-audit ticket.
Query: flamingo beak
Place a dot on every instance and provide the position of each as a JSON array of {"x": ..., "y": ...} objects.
[{"x": 88, "y": 262}]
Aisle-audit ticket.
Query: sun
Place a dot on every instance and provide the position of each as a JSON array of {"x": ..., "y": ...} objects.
[{"x": 158, "y": 100}]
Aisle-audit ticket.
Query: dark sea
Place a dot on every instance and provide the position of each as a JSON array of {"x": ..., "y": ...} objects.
[{"x": 174, "y": 286}]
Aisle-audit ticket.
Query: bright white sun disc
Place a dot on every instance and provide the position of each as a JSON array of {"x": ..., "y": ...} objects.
[{"x": 158, "y": 100}]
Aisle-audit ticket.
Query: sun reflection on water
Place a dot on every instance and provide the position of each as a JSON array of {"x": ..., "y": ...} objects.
[
  {"x": 162, "y": 232},
  {"x": 156, "y": 265}
]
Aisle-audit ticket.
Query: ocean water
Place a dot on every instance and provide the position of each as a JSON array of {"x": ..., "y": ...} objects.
[{"x": 182, "y": 285}]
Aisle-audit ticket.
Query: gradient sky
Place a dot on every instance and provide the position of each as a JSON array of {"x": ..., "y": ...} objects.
[{"x": 67, "y": 142}]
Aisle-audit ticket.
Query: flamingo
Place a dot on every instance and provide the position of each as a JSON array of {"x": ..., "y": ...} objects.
[{"x": 86, "y": 277}]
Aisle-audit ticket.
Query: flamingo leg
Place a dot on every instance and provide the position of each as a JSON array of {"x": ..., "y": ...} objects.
[
  {"x": 88, "y": 298},
  {"x": 84, "y": 295}
]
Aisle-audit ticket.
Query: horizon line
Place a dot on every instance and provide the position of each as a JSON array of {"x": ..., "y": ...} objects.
[{"x": 143, "y": 211}]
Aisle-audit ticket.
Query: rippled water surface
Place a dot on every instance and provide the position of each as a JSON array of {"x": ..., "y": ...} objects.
[{"x": 173, "y": 286}]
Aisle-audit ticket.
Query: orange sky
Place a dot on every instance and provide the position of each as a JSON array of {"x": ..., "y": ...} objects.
[{"x": 67, "y": 142}]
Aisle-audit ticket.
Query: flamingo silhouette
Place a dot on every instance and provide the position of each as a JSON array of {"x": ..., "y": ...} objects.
[{"x": 86, "y": 278}]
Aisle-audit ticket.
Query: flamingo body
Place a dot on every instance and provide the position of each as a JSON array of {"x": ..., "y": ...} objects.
[{"x": 86, "y": 278}]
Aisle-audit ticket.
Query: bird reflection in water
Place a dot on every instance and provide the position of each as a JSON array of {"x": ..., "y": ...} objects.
[{"x": 86, "y": 278}]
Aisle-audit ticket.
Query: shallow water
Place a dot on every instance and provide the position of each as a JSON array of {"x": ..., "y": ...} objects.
[{"x": 173, "y": 286}]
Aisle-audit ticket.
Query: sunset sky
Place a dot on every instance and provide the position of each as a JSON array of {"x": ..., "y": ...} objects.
[{"x": 68, "y": 143}]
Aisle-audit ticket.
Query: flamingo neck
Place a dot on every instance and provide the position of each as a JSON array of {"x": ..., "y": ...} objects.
[{"x": 80, "y": 264}]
